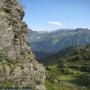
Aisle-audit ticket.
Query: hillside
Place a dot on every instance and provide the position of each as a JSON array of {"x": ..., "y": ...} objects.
[{"x": 69, "y": 69}]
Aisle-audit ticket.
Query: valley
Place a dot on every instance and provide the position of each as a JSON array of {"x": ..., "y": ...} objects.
[
  {"x": 70, "y": 71},
  {"x": 41, "y": 46},
  {"x": 68, "y": 68}
]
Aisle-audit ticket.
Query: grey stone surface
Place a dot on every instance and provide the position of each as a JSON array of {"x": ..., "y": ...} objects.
[{"x": 18, "y": 67}]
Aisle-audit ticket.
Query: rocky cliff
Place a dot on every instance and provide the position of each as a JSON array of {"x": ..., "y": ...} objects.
[{"x": 18, "y": 67}]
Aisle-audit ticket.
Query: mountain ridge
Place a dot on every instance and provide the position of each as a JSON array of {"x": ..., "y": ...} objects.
[{"x": 52, "y": 42}]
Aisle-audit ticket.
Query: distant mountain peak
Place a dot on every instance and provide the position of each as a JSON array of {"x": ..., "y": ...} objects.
[{"x": 59, "y": 39}]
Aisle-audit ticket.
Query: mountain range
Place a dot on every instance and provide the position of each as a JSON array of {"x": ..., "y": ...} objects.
[{"x": 55, "y": 41}]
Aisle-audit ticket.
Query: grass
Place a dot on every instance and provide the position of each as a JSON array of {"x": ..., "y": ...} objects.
[
  {"x": 51, "y": 86},
  {"x": 7, "y": 84},
  {"x": 69, "y": 70},
  {"x": 67, "y": 77},
  {"x": 68, "y": 80}
]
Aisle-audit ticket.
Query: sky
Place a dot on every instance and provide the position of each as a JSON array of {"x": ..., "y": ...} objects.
[{"x": 48, "y": 15}]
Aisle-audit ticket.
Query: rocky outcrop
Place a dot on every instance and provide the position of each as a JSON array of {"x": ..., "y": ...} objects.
[{"x": 18, "y": 67}]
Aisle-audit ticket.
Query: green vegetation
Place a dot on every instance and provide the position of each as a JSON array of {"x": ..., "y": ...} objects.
[
  {"x": 6, "y": 85},
  {"x": 58, "y": 80},
  {"x": 69, "y": 70}
]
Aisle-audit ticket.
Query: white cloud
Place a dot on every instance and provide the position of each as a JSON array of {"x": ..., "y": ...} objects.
[
  {"x": 50, "y": 26},
  {"x": 55, "y": 23}
]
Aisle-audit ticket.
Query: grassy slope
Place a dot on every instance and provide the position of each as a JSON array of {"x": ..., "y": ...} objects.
[{"x": 68, "y": 70}]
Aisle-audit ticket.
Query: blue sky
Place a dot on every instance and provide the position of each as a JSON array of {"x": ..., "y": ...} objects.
[{"x": 55, "y": 14}]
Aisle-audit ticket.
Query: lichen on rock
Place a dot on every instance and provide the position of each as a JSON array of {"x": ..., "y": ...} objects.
[{"x": 18, "y": 66}]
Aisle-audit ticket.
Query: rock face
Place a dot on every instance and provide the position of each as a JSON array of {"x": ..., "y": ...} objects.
[{"x": 18, "y": 67}]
